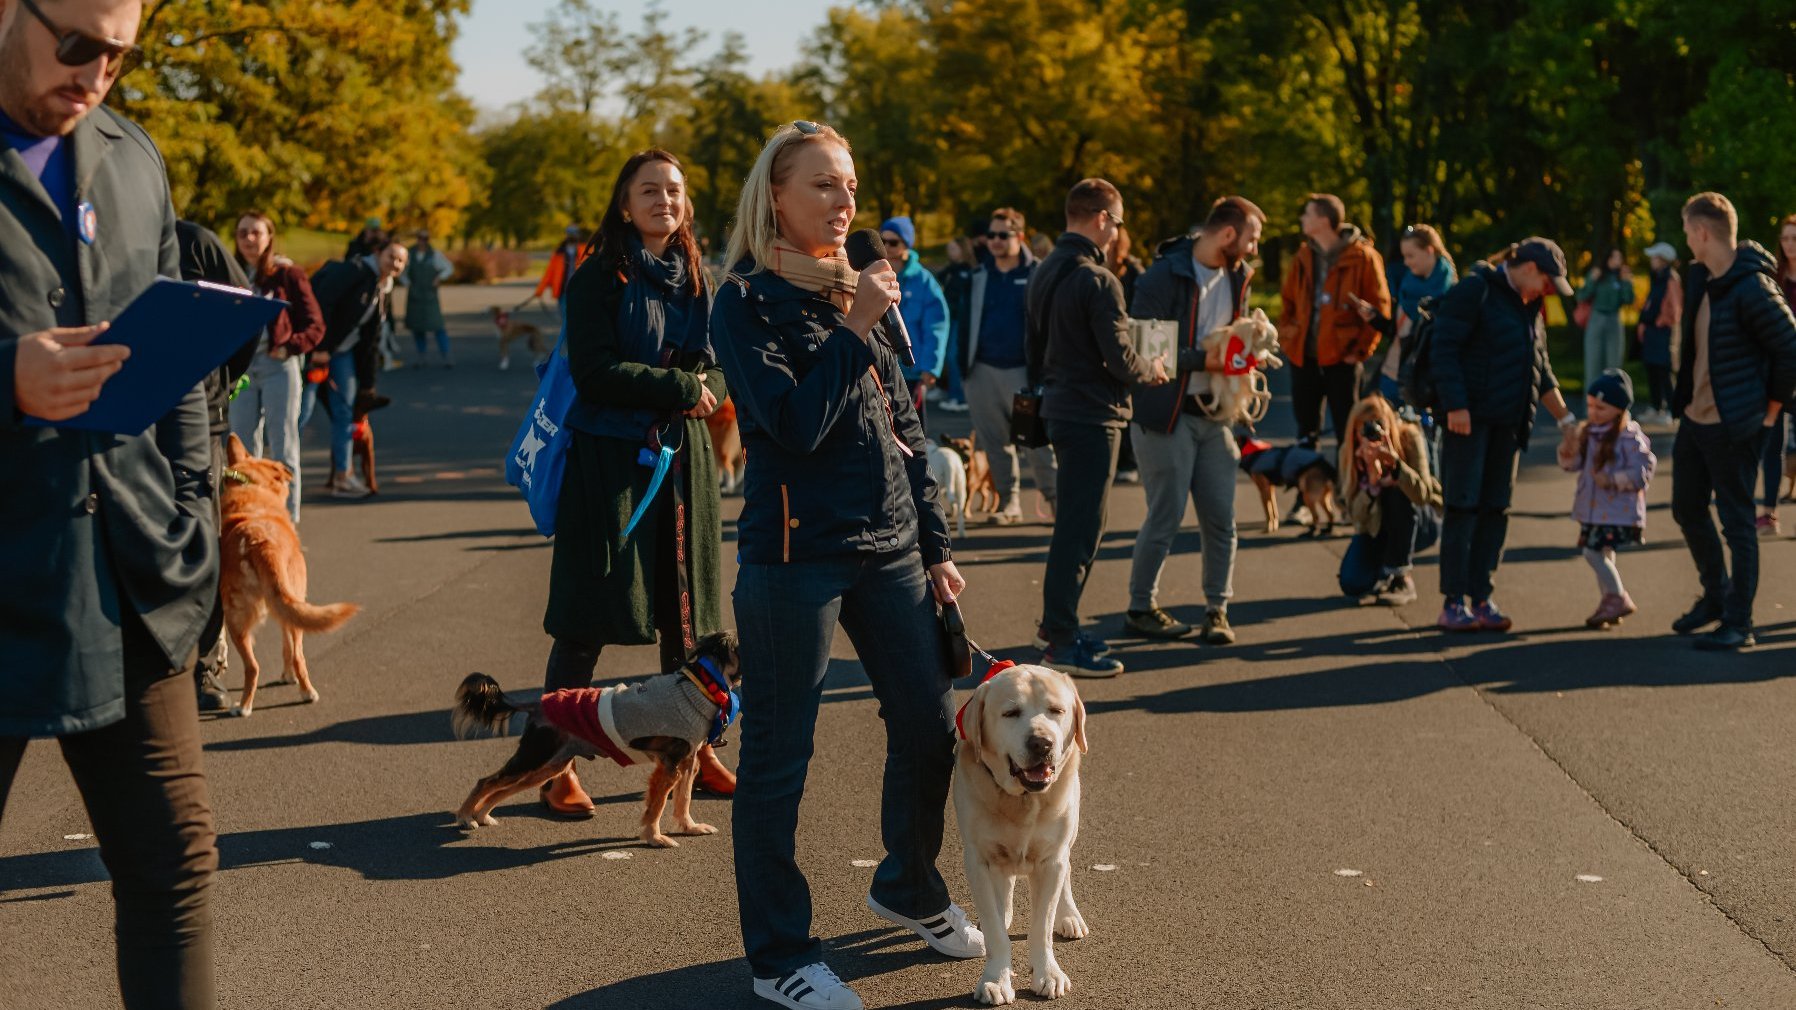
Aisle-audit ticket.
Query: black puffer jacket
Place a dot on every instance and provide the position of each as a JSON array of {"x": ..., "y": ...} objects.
[
  {"x": 1490, "y": 351},
  {"x": 1752, "y": 341},
  {"x": 822, "y": 418}
]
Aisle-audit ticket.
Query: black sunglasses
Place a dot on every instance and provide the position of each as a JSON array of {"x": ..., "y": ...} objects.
[
  {"x": 998, "y": 236},
  {"x": 890, "y": 242},
  {"x": 78, "y": 49},
  {"x": 803, "y": 126}
]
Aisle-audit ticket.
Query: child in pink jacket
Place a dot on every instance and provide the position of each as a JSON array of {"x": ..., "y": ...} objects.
[{"x": 1614, "y": 461}]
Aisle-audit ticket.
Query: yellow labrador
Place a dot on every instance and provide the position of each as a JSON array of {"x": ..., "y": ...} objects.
[{"x": 1016, "y": 795}]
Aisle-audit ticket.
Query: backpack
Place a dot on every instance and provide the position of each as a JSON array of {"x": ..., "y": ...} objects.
[{"x": 1415, "y": 367}]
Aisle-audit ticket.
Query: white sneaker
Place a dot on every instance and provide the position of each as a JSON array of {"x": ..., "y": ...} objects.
[
  {"x": 350, "y": 487},
  {"x": 954, "y": 406},
  {"x": 948, "y": 931},
  {"x": 813, "y": 987}
]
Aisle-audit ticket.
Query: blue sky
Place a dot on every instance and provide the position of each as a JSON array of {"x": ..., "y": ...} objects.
[{"x": 493, "y": 38}]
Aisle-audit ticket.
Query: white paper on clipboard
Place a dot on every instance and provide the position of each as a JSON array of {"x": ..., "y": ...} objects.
[{"x": 1156, "y": 338}]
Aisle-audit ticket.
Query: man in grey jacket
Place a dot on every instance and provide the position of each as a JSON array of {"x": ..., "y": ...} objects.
[
  {"x": 1200, "y": 281},
  {"x": 1081, "y": 354},
  {"x": 994, "y": 359},
  {"x": 110, "y": 566}
]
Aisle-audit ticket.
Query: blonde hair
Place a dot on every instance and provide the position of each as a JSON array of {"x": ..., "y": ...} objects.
[{"x": 756, "y": 226}]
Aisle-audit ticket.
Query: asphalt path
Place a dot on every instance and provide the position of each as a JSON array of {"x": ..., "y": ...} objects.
[{"x": 1346, "y": 809}]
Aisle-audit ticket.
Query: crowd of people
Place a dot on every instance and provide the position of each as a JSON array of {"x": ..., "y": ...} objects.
[{"x": 841, "y": 521}]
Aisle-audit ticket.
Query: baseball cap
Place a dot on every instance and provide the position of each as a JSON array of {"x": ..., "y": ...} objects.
[
  {"x": 1545, "y": 254},
  {"x": 1663, "y": 250}
]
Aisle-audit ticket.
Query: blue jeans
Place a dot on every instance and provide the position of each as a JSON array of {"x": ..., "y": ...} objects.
[
  {"x": 341, "y": 401},
  {"x": 787, "y": 615},
  {"x": 422, "y": 339},
  {"x": 265, "y": 415}
]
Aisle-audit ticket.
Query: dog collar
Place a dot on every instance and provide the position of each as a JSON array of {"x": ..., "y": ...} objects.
[
  {"x": 999, "y": 667},
  {"x": 705, "y": 676}
]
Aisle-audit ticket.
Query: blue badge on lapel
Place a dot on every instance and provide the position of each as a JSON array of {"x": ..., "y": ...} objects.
[{"x": 87, "y": 222}]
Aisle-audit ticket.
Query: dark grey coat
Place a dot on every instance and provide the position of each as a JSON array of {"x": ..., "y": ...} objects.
[{"x": 91, "y": 524}]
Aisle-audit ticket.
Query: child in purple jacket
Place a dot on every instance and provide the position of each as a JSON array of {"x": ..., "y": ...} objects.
[{"x": 1614, "y": 461}]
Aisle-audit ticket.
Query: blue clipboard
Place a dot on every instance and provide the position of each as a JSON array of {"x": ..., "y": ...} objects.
[{"x": 178, "y": 331}]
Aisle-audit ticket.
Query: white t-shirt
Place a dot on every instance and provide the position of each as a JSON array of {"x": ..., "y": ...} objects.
[{"x": 1213, "y": 299}]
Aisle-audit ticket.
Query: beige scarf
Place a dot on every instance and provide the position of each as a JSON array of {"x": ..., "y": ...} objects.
[{"x": 831, "y": 275}]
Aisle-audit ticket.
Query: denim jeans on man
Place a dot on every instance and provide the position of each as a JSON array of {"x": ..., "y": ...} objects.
[
  {"x": 341, "y": 394},
  {"x": 1086, "y": 456},
  {"x": 990, "y": 391},
  {"x": 1198, "y": 459},
  {"x": 265, "y": 415},
  {"x": 787, "y": 616},
  {"x": 1477, "y": 481},
  {"x": 421, "y": 338},
  {"x": 145, "y": 793},
  {"x": 1707, "y": 465}
]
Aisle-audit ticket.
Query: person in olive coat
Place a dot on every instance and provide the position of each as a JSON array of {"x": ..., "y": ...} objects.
[
  {"x": 427, "y": 269},
  {"x": 639, "y": 347}
]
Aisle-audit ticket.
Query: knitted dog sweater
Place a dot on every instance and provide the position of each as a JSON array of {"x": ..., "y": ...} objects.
[{"x": 609, "y": 718}]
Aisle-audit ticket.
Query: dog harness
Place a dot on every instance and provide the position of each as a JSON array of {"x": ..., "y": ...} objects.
[
  {"x": 996, "y": 668},
  {"x": 1235, "y": 359}
]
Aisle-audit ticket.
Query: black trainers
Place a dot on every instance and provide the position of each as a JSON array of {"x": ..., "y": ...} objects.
[
  {"x": 1217, "y": 630},
  {"x": 1156, "y": 623},
  {"x": 1705, "y": 613},
  {"x": 1726, "y": 638},
  {"x": 212, "y": 695},
  {"x": 1077, "y": 659}
]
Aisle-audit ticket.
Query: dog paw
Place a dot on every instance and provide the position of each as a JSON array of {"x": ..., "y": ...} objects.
[
  {"x": 1072, "y": 927},
  {"x": 660, "y": 842},
  {"x": 240, "y": 712},
  {"x": 995, "y": 992},
  {"x": 488, "y": 821},
  {"x": 312, "y": 696},
  {"x": 1052, "y": 982},
  {"x": 696, "y": 828}
]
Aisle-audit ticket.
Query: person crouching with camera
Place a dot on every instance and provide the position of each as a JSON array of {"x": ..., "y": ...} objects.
[
  {"x": 1392, "y": 498},
  {"x": 840, "y": 524}
]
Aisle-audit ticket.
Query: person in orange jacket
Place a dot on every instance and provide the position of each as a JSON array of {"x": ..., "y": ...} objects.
[
  {"x": 1320, "y": 327},
  {"x": 566, "y": 259}
]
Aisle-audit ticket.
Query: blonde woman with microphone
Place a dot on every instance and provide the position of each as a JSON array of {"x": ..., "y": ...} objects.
[{"x": 840, "y": 525}]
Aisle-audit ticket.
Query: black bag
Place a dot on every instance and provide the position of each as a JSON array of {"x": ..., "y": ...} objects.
[
  {"x": 1415, "y": 369},
  {"x": 1027, "y": 429}
]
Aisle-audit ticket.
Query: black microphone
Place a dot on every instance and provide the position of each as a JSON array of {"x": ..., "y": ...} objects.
[{"x": 865, "y": 248}]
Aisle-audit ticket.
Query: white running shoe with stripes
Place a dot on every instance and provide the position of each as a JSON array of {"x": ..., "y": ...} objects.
[
  {"x": 948, "y": 931},
  {"x": 813, "y": 987}
]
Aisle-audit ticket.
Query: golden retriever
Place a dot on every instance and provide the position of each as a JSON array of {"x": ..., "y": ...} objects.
[
  {"x": 1016, "y": 796},
  {"x": 262, "y": 570}
]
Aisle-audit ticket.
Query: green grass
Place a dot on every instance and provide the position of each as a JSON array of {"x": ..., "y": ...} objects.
[{"x": 309, "y": 248}]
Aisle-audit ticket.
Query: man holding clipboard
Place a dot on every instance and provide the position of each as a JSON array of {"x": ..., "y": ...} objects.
[{"x": 110, "y": 570}]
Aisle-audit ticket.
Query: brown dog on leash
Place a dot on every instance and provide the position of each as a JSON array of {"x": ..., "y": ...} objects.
[
  {"x": 510, "y": 329},
  {"x": 981, "y": 492},
  {"x": 613, "y": 718}
]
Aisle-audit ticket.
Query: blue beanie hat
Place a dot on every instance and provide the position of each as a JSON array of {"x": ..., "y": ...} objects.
[
  {"x": 1614, "y": 387},
  {"x": 904, "y": 228}
]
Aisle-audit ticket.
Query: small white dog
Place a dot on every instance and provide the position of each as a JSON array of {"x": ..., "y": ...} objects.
[
  {"x": 951, "y": 481},
  {"x": 1016, "y": 796},
  {"x": 1249, "y": 346}
]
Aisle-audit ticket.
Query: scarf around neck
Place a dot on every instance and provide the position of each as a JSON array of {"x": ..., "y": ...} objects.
[{"x": 830, "y": 275}]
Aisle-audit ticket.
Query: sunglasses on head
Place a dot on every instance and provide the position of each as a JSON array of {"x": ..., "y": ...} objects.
[
  {"x": 78, "y": 48},
  {"x": 806, "y": 127}
]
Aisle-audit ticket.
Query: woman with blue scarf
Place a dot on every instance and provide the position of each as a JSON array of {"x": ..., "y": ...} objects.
[
  {"x": 639, "y": 348},
  {"x": 1427, "y": 272}
]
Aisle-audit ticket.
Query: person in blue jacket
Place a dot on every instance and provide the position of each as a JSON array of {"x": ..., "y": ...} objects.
[{"x": 921, "y": 304}]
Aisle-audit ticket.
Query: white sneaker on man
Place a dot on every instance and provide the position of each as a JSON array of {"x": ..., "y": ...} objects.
[
  {"x": 813, "y": 987},
  {"x": 948, "y": 931},
  {"x": 350, "y": 486}
]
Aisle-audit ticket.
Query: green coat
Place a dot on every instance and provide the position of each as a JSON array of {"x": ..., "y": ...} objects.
[
  {"x": 423, "y": 272},
  {"x": 602, "y": 589}
]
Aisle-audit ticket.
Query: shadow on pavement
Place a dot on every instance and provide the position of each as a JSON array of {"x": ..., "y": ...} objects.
[
  {"x": 386, "y": 730},
  {"x": 726, "y": 985}
]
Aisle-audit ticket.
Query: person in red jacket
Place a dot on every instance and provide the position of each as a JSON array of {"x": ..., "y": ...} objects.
[
  {"x": 566, "y": 259},
  {"x": 1325, "y": 338},
  {"x": 265, "y": 413}
]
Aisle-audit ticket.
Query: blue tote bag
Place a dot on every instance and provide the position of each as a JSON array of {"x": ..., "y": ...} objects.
[{"x": 538, "y": 455}]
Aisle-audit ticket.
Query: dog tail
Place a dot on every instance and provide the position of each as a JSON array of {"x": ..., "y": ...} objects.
[
  {"x": 291, "y": 607},
  {"x": 481, "y": 708}
]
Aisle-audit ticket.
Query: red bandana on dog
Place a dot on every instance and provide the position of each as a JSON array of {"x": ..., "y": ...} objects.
[
  {"x": 999, "y": 667},
  {"x": 1235, "y": 359}
]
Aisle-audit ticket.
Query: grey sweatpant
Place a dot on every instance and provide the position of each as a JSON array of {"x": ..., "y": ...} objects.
[
  {"x": 1198, "y": 458},
  {"x": 989, "y": 391}
]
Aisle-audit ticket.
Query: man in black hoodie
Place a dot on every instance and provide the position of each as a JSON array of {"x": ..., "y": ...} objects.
[
  {"x": 1739, "y": 341},
  {"x": 1081, "y": 354}
]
